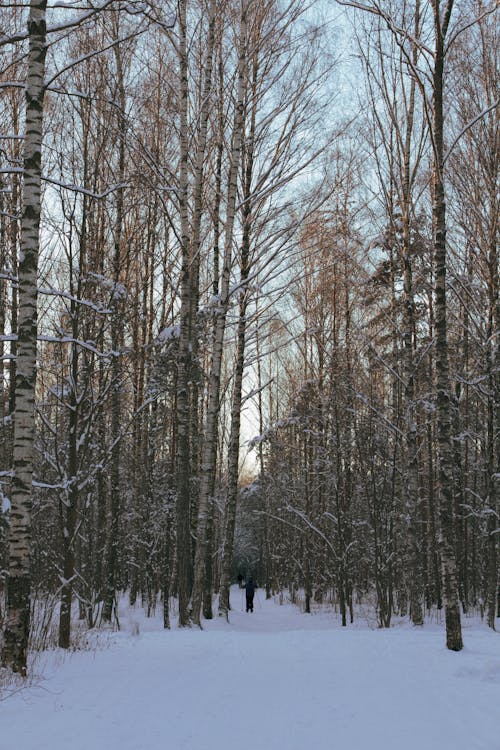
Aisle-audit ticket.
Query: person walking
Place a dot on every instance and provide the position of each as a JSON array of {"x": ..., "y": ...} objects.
[{"x": 250, "y": 591}]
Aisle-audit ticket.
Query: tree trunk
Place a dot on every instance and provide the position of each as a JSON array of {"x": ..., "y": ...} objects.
[
  {"x": 15, "y": 645},
  {"x": 413, "y": 491},
  {"x": 71, "y": 504},
  {"x": 183, "y": 459},
  {"x": 195, "y": 275},
  {"x": 445, "y": 454},
  {"x": 234, "y": 439},
  {"x": 209, "y": 453},
  {"x": 113, "y": 510},
  {"x": 493, "y": 423}
]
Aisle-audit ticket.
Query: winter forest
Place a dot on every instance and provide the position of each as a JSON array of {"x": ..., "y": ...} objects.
[{"x": 249, "y": 315}]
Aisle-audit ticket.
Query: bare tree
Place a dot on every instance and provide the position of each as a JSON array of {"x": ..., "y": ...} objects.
[{"x": 15, "y": 644}]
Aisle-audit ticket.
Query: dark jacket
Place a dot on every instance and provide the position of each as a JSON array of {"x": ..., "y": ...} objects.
[{"x": 250, "y": 588}]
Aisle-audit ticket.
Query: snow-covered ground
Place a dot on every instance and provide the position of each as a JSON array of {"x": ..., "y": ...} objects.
[{"x": 272, "y": 680}]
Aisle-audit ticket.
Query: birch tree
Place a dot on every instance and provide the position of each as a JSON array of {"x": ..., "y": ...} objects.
[
  {"x": 15, "y": 644},
  {"x": 209, "y": 451},
  {"x": 434, "y": 108}
]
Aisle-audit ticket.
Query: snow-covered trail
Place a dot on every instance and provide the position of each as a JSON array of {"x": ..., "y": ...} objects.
[{"x": 274, "y": 680}]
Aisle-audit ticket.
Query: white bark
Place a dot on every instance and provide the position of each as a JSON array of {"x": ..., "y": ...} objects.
[
  {"x": 16, "y": 632},
  {"x": 209, "y": 453}
]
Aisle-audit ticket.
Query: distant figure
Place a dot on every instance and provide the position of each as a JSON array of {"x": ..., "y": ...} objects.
[
  {"x": 240, "y": 581},
  {"x": 250, "y": 591}
]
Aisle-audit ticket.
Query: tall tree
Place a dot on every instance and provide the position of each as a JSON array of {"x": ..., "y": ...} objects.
[
  {"x": 434, "y": 109},
  {"x": 209, "y": 452},
  {"x": 442, "y": 17},
  {"x": 15, "y": 644},
  {"x": 183, "y": 463}
]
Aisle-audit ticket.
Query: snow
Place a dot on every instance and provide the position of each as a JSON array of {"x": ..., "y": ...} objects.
[
  {"x": 65, "y": 295},
  {"x": 274, "y": 679},
  {"x": 4, "y": 502},
  {"x": 169, "y": 333}
]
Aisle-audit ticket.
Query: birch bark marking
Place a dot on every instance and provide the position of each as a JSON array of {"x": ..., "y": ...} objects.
[
  {"x": 14, "y": 243},
  {"x": 209, "y": 453},
  {"x": 445, "y": 456},
  {"x": 15, "y": 645}
]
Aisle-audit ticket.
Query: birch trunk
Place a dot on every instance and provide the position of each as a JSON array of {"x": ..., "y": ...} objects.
[
  {"x": 195, "y": 269},
  {"x": 14, "y": 243},
  {"x": 5, "y": 439},
  {"x": 210, "y": 528},
  {"x": 234, "y": 439},
  {"x": 413, "y": 493},
  {"x": 233, "y": 465},
  {"x": 113, "y": 510},
  {"x": 445, "y": 453},
  {"x": 71, "y": 504},
  {"x": 269, "y": 573},
  {"x": 209, "y": 453},
  {"x": 183, "y": 459},
  {"x": 493, "y": 427},
  {"x": 15, "y": 644}
]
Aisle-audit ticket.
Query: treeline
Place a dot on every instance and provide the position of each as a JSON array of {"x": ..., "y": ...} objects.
[{"x": 204, "y": 236}]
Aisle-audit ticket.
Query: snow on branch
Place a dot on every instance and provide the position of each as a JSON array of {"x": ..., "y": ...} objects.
[
  {"x": 71, "y": 298},
  {"x": 256, "y": 391},
  {"x": 82, "y": 190},
  {"x": 168, "y": 333},
  {"x": 89, "y": 345}
]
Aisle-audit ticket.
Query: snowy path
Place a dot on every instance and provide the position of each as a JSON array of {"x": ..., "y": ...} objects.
[{"x": 274, "y": 680}]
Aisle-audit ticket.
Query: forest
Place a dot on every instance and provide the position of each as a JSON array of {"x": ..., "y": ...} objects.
[{"x": 249, "y": 310}]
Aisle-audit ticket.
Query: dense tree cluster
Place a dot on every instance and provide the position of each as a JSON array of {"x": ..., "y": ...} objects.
[
  {"x": 352, "y": 462},
  {"x": 196, "y": 242}
]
